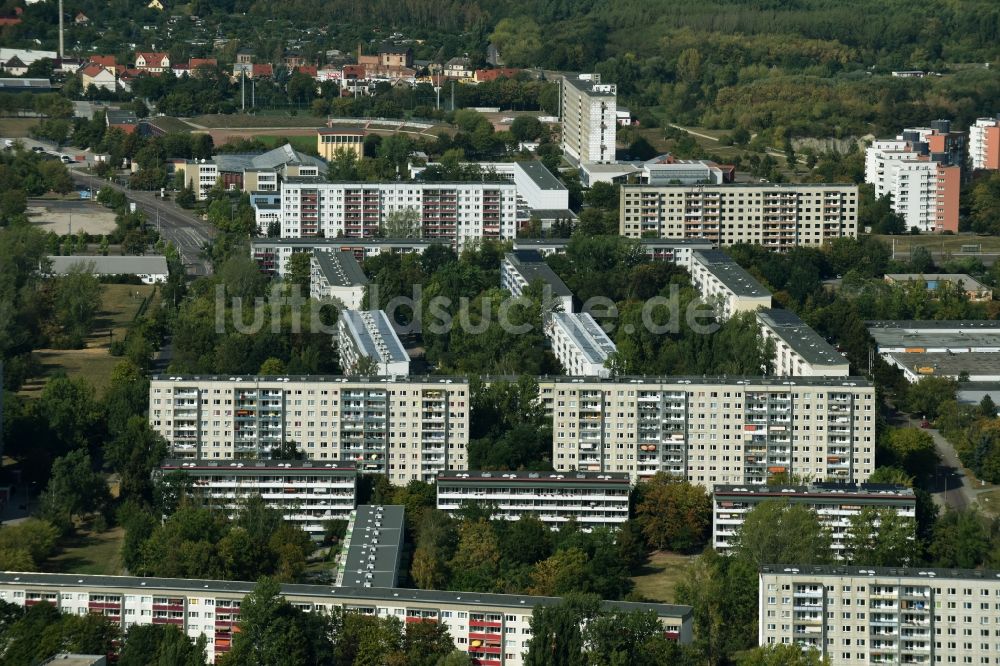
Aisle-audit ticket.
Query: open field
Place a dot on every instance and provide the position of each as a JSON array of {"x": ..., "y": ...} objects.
[
  {"x": 943, "y": 244},
  {"x": 120, "y": 303},
  {"x": 16, "y": 127},
  {"x": 662, "y": 571},
  {"x": 90, "y": 553},
  {"x": 71, "y": 216},
  {"x": 237, "y": 120},
  {"x": 170, "y": 125}
]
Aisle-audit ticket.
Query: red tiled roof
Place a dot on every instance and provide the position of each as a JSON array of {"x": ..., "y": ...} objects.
[
  {"x": 262, "y": 70},
  {"x": 10, "y": 21},
  {"x": 194, "y": 63},
  {"x": 103, "y": 60},
  {"x": 152, "y": 59},
  {"x": 484, "y": 75},
  {"x": 307, "y": 69},
  {"x": 93, "y": 69}
]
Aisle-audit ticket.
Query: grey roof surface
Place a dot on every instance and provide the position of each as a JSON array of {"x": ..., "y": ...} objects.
[
  {"x": 376, "y": 546},
  {"x": 321, "y": 379},
  {"x": 585, "y": 333},
  {"x": 25, "y": 84},
  {"x": 531, "y": 265},
  {"x": 541, "y": 176},
  {"x": 553, "y": 213},
  {"x": 949, "y": 364},
  {"x": 587, "y": 86},
  {"x": 802, "y": 339},
  {"x": 567, "y": 478},
  {"x": 121, "y": 117},
  {"x": 841, "y": 490},
  {"x": 340, "y": 269},
  {"x": 890, "y": 572},
  {"x": 372, "y": 332},
  {"x": 110, "y": 265},
  {"x": 684, "y": 380},
  {"x": 947, "y": 334},
  {"x": 272, "y": 159},
  {"x": 968, "y": 282},
  {"x": 322, "y": 593},
  {"x": 735, "y": 278},
  {"x": 345, "y": 242},
  {"x": 694, "y": 243}
]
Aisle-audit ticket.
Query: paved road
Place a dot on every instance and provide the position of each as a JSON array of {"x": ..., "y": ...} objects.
[
  {"x": 187, "y": 232},
  {"x": 952, "y": 487}
]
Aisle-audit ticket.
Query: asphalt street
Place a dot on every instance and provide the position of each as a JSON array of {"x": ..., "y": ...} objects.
[{"x": 188, "y": 233}]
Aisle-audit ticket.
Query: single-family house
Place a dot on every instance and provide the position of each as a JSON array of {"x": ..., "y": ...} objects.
[
  {"x": 99, "y": 77},
  {"x": 152, "y": 62}
]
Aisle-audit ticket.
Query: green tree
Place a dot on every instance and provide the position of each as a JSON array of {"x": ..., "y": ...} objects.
[
  {"x": 630, "y": 637},
  {"x": 674, "y": 514},
  {"x": 74, "y": 490},
  {"x": 272, "y": 367},
  {"x": 77, "y": 302},
  {"x": 911, "y": 449},
  {"x": 559, "y": 574},
  {"x": 133, "y": 455},
  {"x": 299, "y": 270},
  {"x": 777, "y": 532},
  {"x": 923, "y": 398},
  {"x": 402, "y": 223},
  {"x": 476, "y": 563},
  {"x": 782, "y": 655},
  {"x": 880, "y": 538},
  {"x": 961, "y": 539},
  {"x": 891, "y": 476},
  {"x": 518, "y": 40},
  {"x": 161, "y": 645},
  {"x": 556, "y": 637}
]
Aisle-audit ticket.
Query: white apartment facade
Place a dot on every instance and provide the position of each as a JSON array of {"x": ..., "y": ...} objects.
[
  {"x": 799, "y": 351},
  {"x": 713, "y": 430},
  {"x": 456, "y": 213},
  {"x": 370, "y": 334},
  {"x": 777, "y": 216},
  {"x": 726, "y": 285},
  {"x": 589, "y": 118},
  {"x": 984, "y": 143},
  {"x": 272, "y": 254},
  {"x": 308, "y": 493},
  {"x": 924, "y": 191},
  {"x": 494, "y": 629},
  {"x": 674, "y": 250},
  {"x": 834, "y": 505},
  {"x": 592, "y": 500},
  {"x": 579, "y": 344},
  {"x": 857, "y": 616},
  {"x": 407, "y": 428}
]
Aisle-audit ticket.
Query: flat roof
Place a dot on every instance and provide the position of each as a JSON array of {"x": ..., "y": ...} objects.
[
  {"x": 841, "y": 490},
  {"x": 540, "y": 175},
  {"x": 694, "y": 243},
  {"x": 588, "y": 86},
  {"x": 340, "y": 269},
  {"x": 202, "y": 464},
  {"x": 739, "y": 186},
  {"x": 586, "y": 335},
  {"x": 111, "y": 265},
  {"x": 949, "y": 364},
  {"x": 800, "y": 337},
  {"x": 25, "y": 84},
  {"x": 372, "y": 331},
  {"x": 553, "y": 213},
  {"x": 932, "y": 325},
  {"x": 319, "y": 379},
  {"x": 344, "y": 129},
  {"x": 375, "y": 547},
  {"x": 427, "y": 185},
  {"x": 957, "y": 335},
  {"x": 344, "y": 242},
  {"x": 531, "y": 265},
  {"x": 967, "y": 281},
  {"x": 929, "y": 573},
  {"x": 681, "y": 381},
  {"x": 536, "y": 477},
  {"x": 322, "y": 593},
  {"x": 733, "y": 276}
]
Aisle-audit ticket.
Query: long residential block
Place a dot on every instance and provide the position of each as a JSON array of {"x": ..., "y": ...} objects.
[
  {"x": 579, "y": 343},
  {"x": 337, "y": 276},
  {"x": 407, "y": 428},
  {"x": 711, "y": 430},
  {"x": 834, "y": 504},
  {"x": 799, "y": 351},
  {"x": 592, "y": 500},
  {"x": 779, "y": 217},
  {"x": 455, "y": 213},
  {"x": 860, "y": 616},
  {"x": 675, "y": 250},
  {"x": 521, "y": 268},
  {"x": 725, "y": 284},
  {"x": 308, "y": 493},
  {"x": 368, "y": 334},
  {"x": 494, "y": 629},
  {"x": 272, "y": 254}
]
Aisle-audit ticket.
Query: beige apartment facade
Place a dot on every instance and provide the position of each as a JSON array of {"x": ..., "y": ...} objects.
[
  {"x": 713, "y": 430},
  {"x": 408, "y": 428},
  {"x": 777, "y": 216},
  {"x": 858, "y": 616}
]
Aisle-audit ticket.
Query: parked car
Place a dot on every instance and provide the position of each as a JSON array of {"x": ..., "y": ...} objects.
[{"x": 925, "y": 424}]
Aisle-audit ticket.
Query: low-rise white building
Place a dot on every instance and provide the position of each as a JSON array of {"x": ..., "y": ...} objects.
[
  {"x": 579, "y": 343},
  {"x": 369, "y": 334},
  {"x": 834, "y": 504},
  {"x": 337, "y": 276},
  {"x": 725, "y": 284},
  {"x": 308, "y": 493},
  {"x": 149, "y": 269},
  {"x": 799, "y": 351},
  {"x": 521, "y": 268},
  {"x": 592, "y": 500}
]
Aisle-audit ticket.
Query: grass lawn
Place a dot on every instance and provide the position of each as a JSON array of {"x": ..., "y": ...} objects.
[
  {"x": 170, "y": 125},
  {"x": 90, "y": 553},
  {"x": 989, "y": 502},
  {"x": 119, "y": 305},
  {"x": 303, "y": 144},
  {"x": 661, "y": 572},
  {"x": 16, "y": 127},
  {"x": 937, "y": 243},
  {"x": 213, "y": 121}
]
